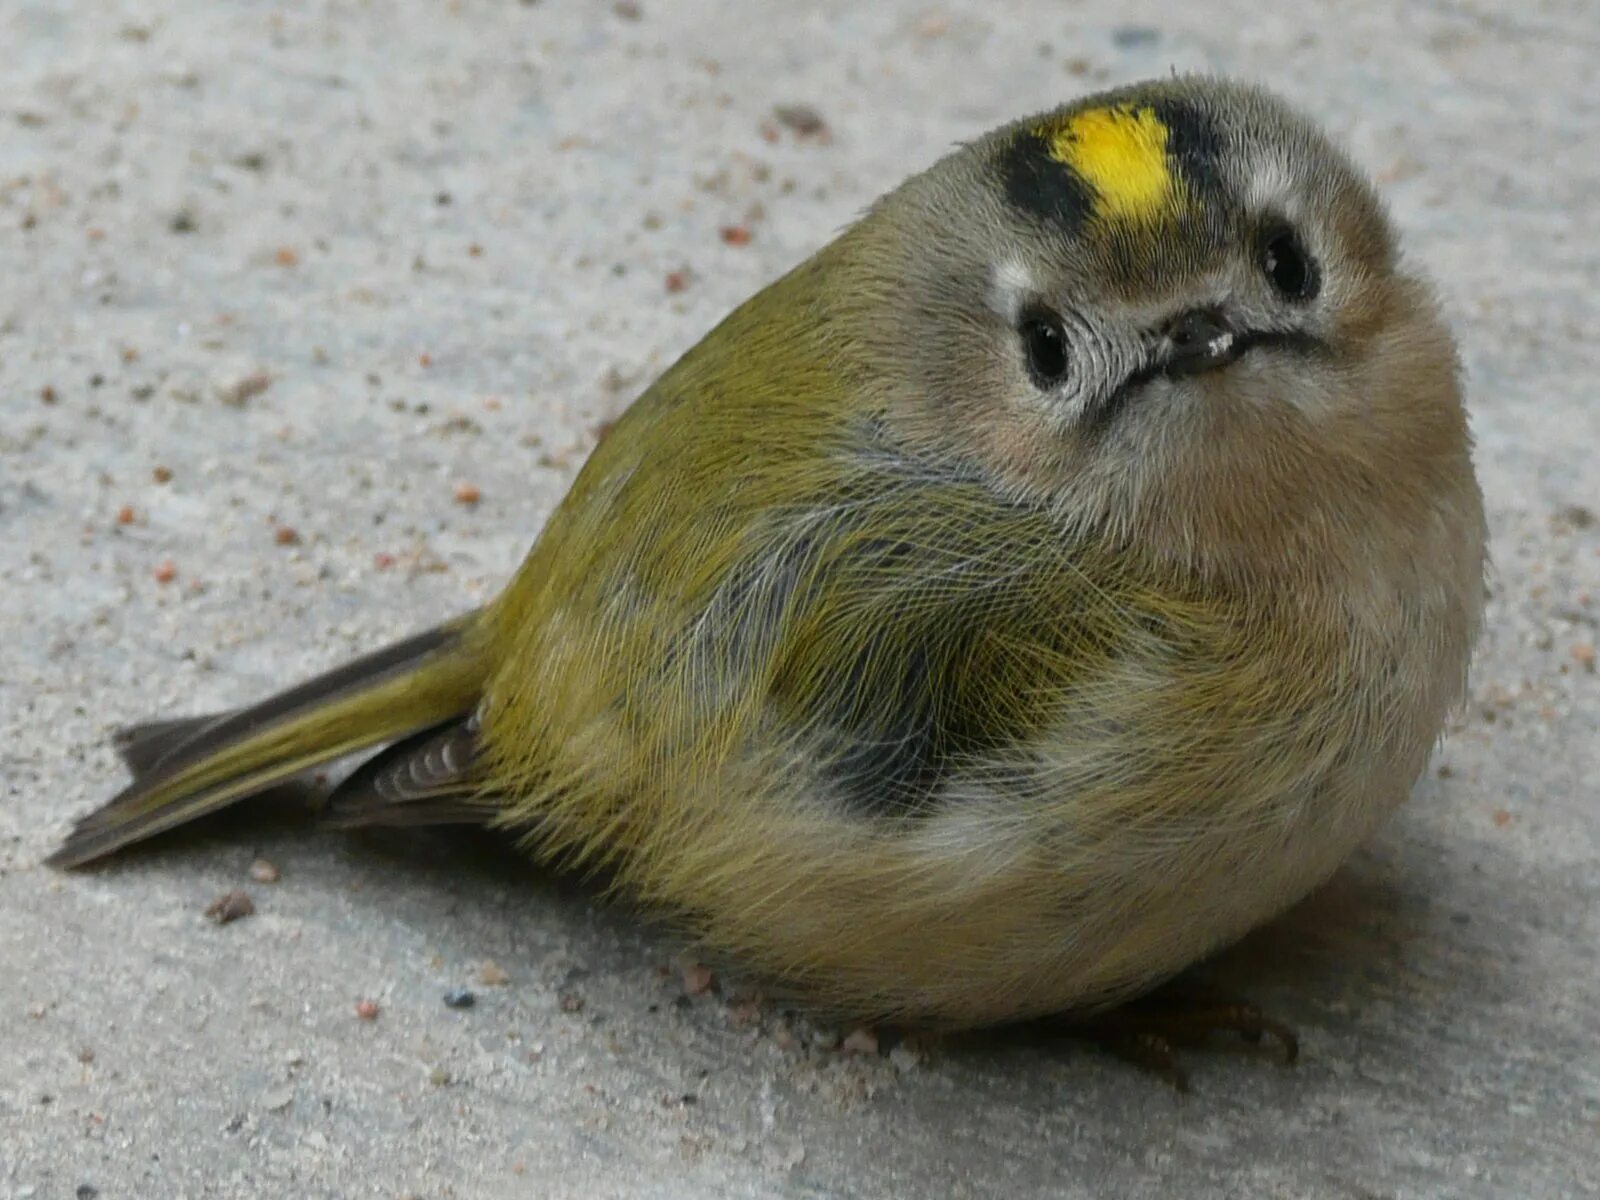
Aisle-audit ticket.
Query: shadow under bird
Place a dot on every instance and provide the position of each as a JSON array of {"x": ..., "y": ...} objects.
[{"x": 1050, "y": 580}]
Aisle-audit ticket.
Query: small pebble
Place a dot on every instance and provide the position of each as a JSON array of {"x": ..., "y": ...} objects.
[
  {"x": 467, "y": 493},
  {"x": 367, "y": 1010},
  {"x": 492, "y": 974},
  {"x": 1134, "y": 37},
  {"x": 1576, "y": 515},
  {"x": 263, "y": 871},
  {"x": 235, "y": 394},
  {"x": 285, "y": 535},
  {"x": 860, "y": 1041},
  {"x": 230, "y": 906},
  {"x": 697, "y": 977},
  {"x": 278, "y": 1100},
  {"x": 460, "y": 998},
  {"x": 736, "y": 235},
  {"x": 125, "y": 515},
  {"x": 165, "y": 572},
  {"x": 161, "y": 474},
  {"x": 801, "y": 120}
]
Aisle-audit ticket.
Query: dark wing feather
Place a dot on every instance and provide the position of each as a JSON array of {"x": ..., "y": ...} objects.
[
  {"x": 430, "y": 778},
  {"x": 144, "y": 747},
  {"x": 186, "y": 768}
]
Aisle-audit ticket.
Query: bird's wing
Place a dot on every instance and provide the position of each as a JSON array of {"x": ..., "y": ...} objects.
[{"x": 430, "y": 778}]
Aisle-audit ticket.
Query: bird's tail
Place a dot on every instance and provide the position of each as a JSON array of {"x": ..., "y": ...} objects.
[{"x": 186, "y": 768}]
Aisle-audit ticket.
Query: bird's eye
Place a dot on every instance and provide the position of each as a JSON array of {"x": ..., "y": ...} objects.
[
  {"x": 1045, "y": 344},
  {"x": 1289, "y": 269}
]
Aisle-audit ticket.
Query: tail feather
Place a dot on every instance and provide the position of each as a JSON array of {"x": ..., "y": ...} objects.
[
  {"x": 142, "y": 747},
  {"x": 185, "y": 769}
]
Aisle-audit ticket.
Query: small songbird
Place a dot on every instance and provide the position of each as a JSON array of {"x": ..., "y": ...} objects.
[{"x": 1051, "y": 579}]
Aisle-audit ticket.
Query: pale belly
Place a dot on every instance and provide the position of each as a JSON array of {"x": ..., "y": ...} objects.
[{"x": 1112, "y": 854}]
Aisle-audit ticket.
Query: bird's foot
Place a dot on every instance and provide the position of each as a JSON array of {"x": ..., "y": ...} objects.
[{"x": 1150, "y": 1030}]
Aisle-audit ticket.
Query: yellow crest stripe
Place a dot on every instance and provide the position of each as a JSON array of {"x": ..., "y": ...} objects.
[{"x": 1121, "y": 153}]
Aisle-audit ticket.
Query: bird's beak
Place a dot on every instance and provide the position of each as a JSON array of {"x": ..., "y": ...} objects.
[{"x": 1199, "y": 340}]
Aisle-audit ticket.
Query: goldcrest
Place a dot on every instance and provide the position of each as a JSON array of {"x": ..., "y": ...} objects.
[{"x": 1054, "y": 577}]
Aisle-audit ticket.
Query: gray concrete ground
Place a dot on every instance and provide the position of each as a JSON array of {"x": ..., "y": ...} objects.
[{"x": 284, "y": 281}]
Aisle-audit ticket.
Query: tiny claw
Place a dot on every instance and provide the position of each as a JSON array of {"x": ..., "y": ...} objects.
[
  {"x": 1149, "y": 1051},
  {"x": 1252, "y": 1024},
  {"x": 1146, "y": 1031},
  {"x": 1291, "y": 1044}
]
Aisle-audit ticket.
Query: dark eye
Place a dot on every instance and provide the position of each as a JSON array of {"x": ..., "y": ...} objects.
[
  {"x": 1291, "y": 271},
  {"x": 1045, "y": 344}
]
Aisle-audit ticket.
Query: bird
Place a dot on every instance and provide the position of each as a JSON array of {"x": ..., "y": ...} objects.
[{"x": 1051, "y": 579}]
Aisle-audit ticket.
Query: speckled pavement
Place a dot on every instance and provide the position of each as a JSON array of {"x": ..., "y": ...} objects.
[{"x": 308, "y": 314}]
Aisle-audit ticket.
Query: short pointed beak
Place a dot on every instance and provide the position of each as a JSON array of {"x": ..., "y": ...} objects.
[{"x": 1199, "y": 340}]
